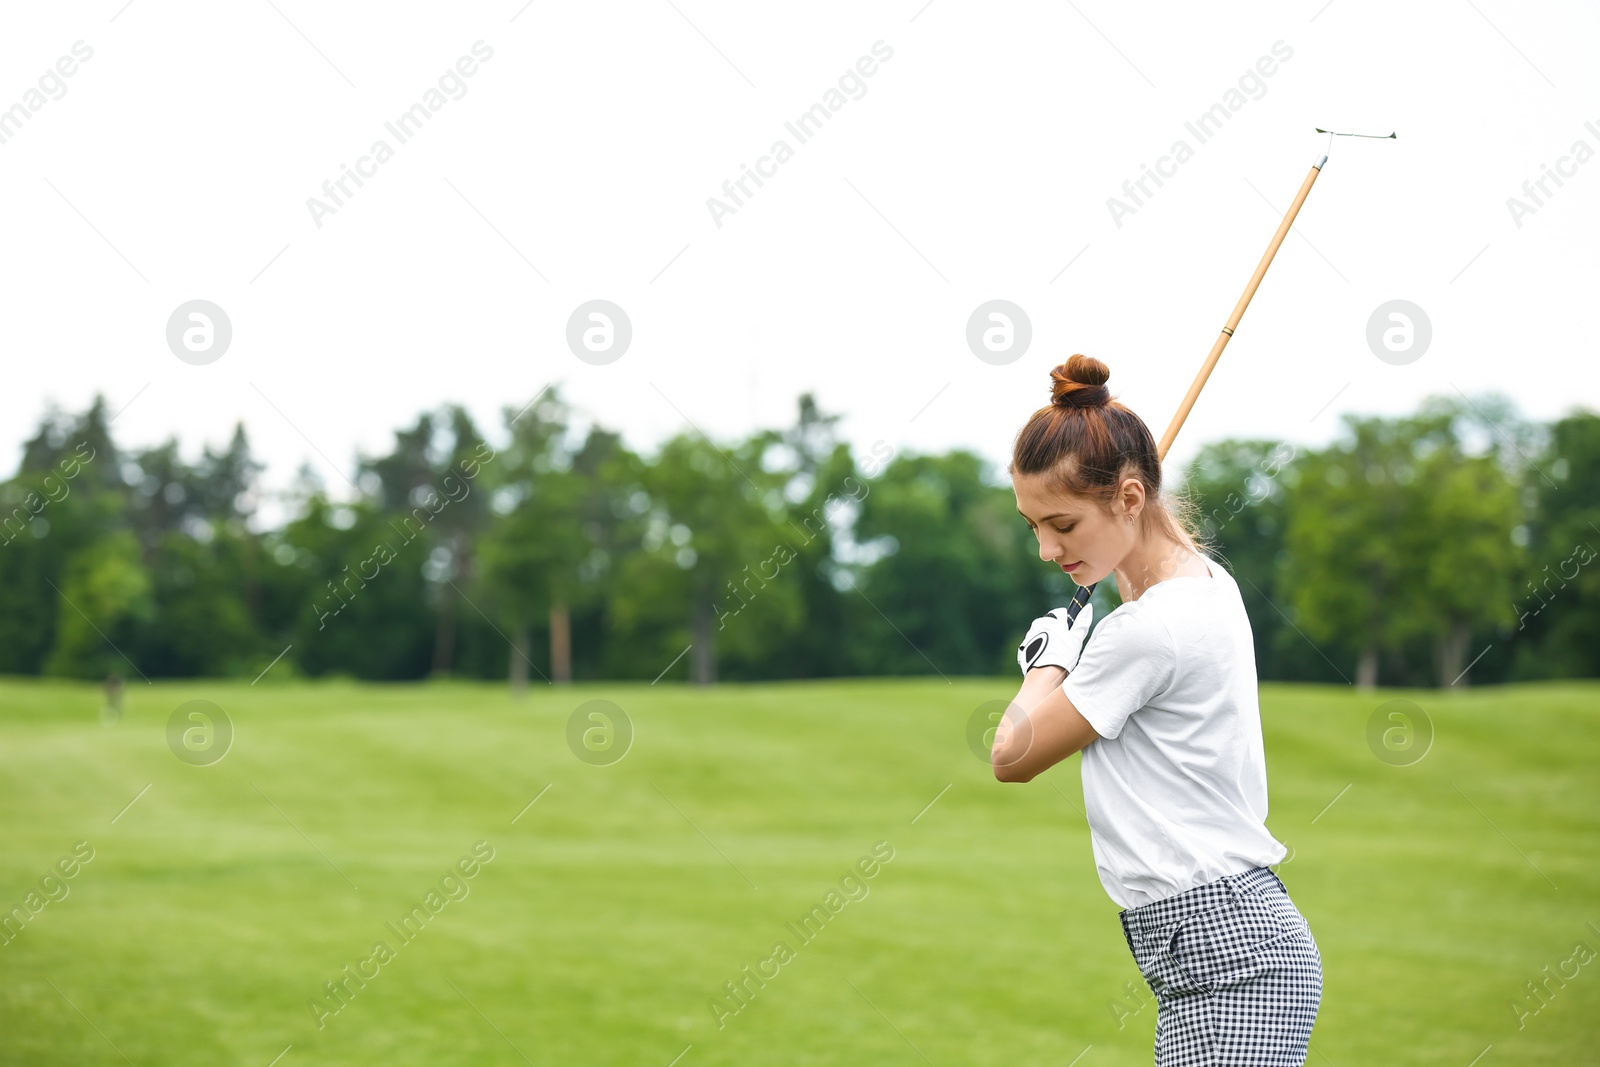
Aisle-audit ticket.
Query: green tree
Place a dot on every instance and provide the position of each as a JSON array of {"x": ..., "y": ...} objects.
[
  {"x": 346, "y": 589},
  {"x": 456, "y": 529},
  {"x": 714, "y": 545},
  {"x": 1347, "y": 573},
  {"x": 538, "y": 541},
  {"x": 1467, "y": 560},
  {"x": 422, "y": 484},
  {"x": 66, "y": 502},
  {"x": 1557, "y": 603},
  {"x": 1238, "y": 489},
  {"x": 1398, "y": 533},
  {"x": 824, "y": 486},
  {"x": 108, "y": 597},
  {"x": 203, "y": 626},
  {"x": 957, "y": 576}
]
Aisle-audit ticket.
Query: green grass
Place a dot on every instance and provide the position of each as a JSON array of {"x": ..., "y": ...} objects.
[{"x": 617, "y": 906}]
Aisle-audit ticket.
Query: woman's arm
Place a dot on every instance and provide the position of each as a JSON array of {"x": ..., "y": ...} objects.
[{"x": 1039, "y": 729}]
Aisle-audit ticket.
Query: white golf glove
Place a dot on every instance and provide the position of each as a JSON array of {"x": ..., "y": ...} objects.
[{"x": 1052, "y": 641}]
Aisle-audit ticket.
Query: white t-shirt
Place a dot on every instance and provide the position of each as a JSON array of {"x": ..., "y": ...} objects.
[{"x": 1175, "y": 787}]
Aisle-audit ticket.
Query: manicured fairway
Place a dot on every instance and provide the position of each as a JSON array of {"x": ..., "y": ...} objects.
[{"x": 614, "y": 909}]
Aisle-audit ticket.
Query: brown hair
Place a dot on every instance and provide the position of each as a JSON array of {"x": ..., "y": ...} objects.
[{"x": 1088, "y": 443}]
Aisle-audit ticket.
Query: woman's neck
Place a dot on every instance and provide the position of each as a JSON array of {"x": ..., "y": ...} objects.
[{"x": 1155, "y": 559}]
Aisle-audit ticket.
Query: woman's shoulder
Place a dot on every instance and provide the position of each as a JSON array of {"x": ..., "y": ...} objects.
[
  {"x": 1131, "y": 638},
  {"x": 1135, "y": 622}
]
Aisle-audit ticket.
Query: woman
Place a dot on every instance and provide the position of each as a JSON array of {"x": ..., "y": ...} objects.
[{"x": 1162, "y": 703}]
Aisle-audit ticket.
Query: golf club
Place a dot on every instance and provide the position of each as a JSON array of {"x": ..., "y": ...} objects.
[{"x": 1084, "y": 592}]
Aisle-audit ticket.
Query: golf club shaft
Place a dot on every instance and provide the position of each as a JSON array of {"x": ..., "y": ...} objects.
[{"x": 1084, "y": 592}]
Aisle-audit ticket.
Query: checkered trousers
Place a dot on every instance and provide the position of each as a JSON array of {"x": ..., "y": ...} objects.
[{"x": 1235, "y": 971}]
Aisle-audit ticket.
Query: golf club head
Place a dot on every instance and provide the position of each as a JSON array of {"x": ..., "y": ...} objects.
[{"x": 1323, "y": 158}]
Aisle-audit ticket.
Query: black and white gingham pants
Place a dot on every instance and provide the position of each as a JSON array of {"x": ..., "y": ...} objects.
[{"x": 1235, "y": 971}]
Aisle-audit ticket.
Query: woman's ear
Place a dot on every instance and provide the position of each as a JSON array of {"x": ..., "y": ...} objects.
[{"x": 1133, "y": 496}]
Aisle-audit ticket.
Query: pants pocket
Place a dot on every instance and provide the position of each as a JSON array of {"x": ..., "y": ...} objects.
[
  {"x": 1234, "y": 943},
  {"x": 1168, "y": 966}
]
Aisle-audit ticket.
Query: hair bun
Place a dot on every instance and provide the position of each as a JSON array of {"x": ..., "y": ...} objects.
[{"x": 1080, "y": 382}]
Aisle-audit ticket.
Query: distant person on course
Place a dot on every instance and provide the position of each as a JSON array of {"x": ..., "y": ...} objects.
[{"x": 1162, "y": 703}]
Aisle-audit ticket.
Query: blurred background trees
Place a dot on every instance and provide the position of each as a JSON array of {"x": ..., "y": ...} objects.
[{"x": 1451, "y": 546}]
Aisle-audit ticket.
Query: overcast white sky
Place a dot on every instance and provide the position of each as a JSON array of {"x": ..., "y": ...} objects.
[{"x": 977, "y": 165}]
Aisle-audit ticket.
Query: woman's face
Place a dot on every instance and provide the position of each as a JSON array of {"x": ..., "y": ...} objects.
[{"x": 1075, "y": 532}]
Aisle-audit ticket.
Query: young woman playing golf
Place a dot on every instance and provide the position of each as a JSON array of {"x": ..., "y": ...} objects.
[{"x": 1162, "y": 704}]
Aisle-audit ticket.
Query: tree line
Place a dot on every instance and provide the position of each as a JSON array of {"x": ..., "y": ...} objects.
[{"x": 1450, "y": 546}]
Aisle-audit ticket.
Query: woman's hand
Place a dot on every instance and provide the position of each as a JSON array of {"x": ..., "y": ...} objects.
[
  {"x": 1041, "y": 728},
  {"x": 1054, "y": 640}
]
